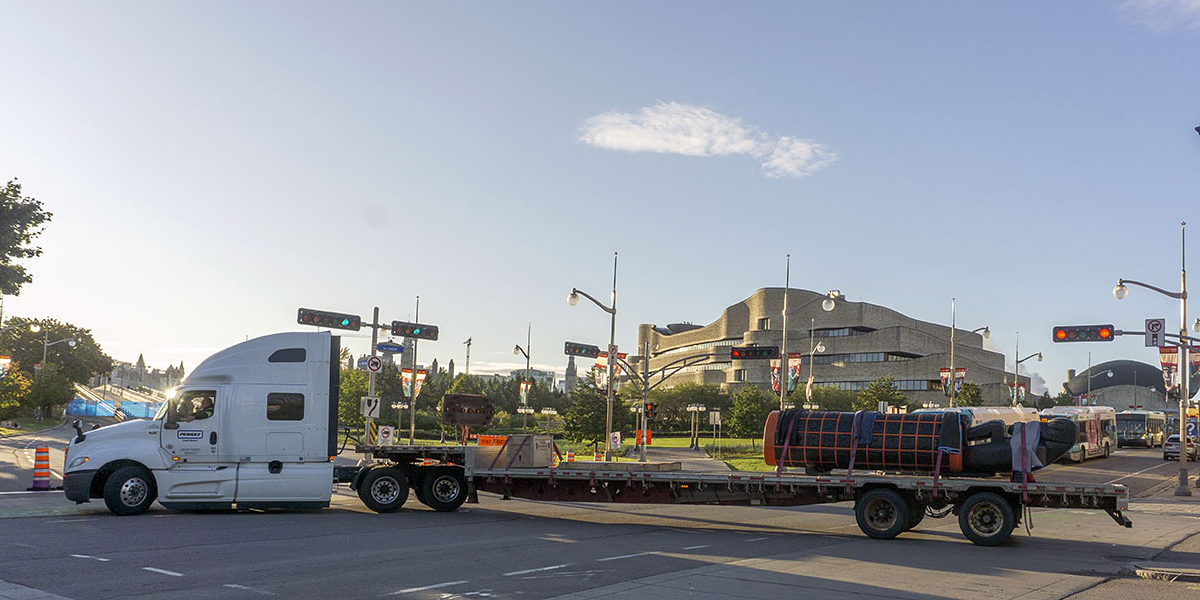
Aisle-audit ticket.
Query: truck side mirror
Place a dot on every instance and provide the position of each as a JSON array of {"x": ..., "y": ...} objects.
[{"x": 169, "y": 421}]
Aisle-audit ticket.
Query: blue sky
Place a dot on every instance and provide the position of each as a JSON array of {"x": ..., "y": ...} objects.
[{"x": 211, "y": 167}]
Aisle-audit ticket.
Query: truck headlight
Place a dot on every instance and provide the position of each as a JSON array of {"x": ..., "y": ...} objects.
[{"x": 78, "y": 461}]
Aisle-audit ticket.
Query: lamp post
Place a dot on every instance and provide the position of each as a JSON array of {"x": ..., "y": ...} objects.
[
  {"x": 525, "y": 411},
  {"x": 46, "y": 343},
  {"x": 518, "y": 351},
  {"x": 1185, "y": 372},
  {"x": 987, "y": 333},
  {"x": 573, "y": 300},
  {"x": 695, "y": 409},
  {"x": 1017, "y": 368},
  {"x": 828, "y": 303},
  {"x": 812, "y": 350}
]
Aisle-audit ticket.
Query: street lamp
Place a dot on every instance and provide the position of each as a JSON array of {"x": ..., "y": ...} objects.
[
  {"x": 1017, "y": 368},
  {"x": 518, "y": 351},
  {"x": 1185, "y": 371},
  {"x": 828, "y": 303},
  {"x": 34, "y": 327},
  {"x": 573, "y": 300},
  {"x": 525, "y": 411},
  {"x": 811, "y": 406},
  {"x": 812, "y": 365},
  {"x": 695, "y": 409}
]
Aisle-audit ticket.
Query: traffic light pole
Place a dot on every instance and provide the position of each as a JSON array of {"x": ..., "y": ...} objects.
[
  {"x": 371, "y": 374},
  {"x": 412, "y": 385}
]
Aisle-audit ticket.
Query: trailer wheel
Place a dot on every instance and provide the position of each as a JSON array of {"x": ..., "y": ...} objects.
[
  {"x": 384, "y": 489},
  {"x": 916, "y": 514},
  {"x": 986, "y": 519},
  {"x": 444, "y": 489},
  {"x": 416, "y": 481},
  {"x": 882, "y": 513},
  {"x": 129, "y": 491}
]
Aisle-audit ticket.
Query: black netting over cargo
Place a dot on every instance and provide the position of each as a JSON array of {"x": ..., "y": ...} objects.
[{"x": 890, "y": 442}]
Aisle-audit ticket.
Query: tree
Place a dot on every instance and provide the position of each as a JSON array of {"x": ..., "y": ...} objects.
[
  {"x": 749, "y": 412},
  {"x": 829, "y": 397},
  {"x": 586, "y": 418},
  {"x": 79, "y": 363},
  {"x": 353, "y": 388},
  {"x": 22, "y": 218},
  {"x": 51, "y": 388},
  {"x": 970, "y": 395},
  {"x": 14, "y": 386},
  {"x": 880, "y": 390}
]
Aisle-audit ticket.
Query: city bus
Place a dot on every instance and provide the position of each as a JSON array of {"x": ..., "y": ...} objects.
[
  {"x": 1097, "y": 426},
  {"x": 1145, "y": 428}
]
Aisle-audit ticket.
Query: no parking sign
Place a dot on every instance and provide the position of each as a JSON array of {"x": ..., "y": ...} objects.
[{"x": 386, "y": 435}]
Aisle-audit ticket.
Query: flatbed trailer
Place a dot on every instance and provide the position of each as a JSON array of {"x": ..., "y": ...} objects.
[{"x": 885, "y": 505}]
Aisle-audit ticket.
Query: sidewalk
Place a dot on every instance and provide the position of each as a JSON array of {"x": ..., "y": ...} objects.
[{"x": 1180, "y": 562}]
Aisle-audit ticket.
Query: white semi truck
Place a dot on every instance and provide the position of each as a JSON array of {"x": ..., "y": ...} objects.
[{"x": 255, "y": 426}]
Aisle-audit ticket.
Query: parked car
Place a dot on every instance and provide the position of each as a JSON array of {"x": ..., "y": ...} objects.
[{"x": 1171, "y": 448}]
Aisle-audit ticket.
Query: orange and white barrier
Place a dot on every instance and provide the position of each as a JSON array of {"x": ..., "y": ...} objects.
[
  {"x": 570, "y": 456},
  {"x": 41, "y": 470},
  {"x": 598, "y": 457}
]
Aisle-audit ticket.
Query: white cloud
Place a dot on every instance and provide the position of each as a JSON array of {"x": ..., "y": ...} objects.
[
  {"x": 1164, "y": 15},
  {"x": 675, "y": 128}
]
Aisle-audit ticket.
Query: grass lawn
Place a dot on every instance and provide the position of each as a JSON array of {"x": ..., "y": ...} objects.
[{"x": 27, "y": 425}]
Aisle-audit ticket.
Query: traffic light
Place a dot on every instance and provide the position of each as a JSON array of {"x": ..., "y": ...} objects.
[
  {"x": 753, "y": 352},
  {"x": 332, "y": 320},
  {"x": 1084, "y": 333},
  {"x": 650, "y": 408},
  {"x": 584, "y": 350},
  {"x": 414, "y": 330}
]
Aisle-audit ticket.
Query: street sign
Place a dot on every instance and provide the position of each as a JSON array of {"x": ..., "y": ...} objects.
[
  {"x": 1155, "y": 330},
  {"x": 714, "y": 417},
  {"x": 1193, "y": 429},
  {"x": 369, "y": 406},
  {"x": 385, "y": 435},
  {"x": 389, "y": 348},
  {"x": 614, "y": 443},
  {"x": 374, "y": 364}
]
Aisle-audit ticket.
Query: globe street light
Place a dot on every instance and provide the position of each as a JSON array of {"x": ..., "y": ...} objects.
[
  {"x": 573, "y": 300},
  {"x": 1185, "y": 372},
  {"x": 695, "y": 409}
]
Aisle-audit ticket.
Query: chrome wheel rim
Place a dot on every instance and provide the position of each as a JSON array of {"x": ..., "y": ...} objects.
[
  {"x": 385, "y": 490},
  {"x": 133, "y": 491}
]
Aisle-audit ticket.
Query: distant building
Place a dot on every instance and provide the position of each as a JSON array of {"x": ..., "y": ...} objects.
[
  {"x": 137, "y": 375},
  {"x": 862, "y": 342},
  {"x": 546, "y": 377},
  {"x": 1123, "y": 385}
]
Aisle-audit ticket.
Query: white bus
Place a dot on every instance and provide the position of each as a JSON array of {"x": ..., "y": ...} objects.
[
  {"x": 1145, "y": 428},
  {"x": 1097, "y": 427}
]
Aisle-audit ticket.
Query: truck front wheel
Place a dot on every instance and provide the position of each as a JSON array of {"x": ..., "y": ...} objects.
[
  {"x": 443, "y": 489},
  {"x": 882, "y": 513},
  {"x": 384, "y": 489},
  {"x": 129, "y": 491},
  {"x": 987, "y": 519}
]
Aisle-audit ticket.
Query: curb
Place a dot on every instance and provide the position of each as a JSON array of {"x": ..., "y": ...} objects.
[{"x": 1167, "y": 572}]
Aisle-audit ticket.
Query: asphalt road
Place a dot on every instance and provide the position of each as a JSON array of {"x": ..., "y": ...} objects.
[{"x": 537, "y": 550}]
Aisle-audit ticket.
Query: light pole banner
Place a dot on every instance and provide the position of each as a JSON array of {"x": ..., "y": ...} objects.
[
  {"x": 406, "y": 380},
  {"x": 602, "y": 366},
  {"x": 795, "y": 359},
  {"x": 525, "y": 385}
]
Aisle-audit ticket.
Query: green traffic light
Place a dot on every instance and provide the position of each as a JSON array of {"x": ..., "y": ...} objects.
[
  {"x": 345, "y": 322},
  {"x": 416, "y": 331}
]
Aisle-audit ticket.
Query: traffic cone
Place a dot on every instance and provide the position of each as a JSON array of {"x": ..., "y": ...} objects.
[
  {"x": 41, "y": 470},
  {"x": 570, "y": 456},
  {"x": 598, "y": 457}
]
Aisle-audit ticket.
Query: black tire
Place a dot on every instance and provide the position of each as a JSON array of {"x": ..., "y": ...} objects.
[
  {"x": 444, "y": 489},
  {"x": 882, "y": 513},
  {"x": 1165, "y": 457},
  {"x": 987, "y": 519},
  {"x": 416, "y": 481},
  {"x": 916, "y": 514},
  {"x": 129, "y": 491},
  {"x": 384, "y": 489}
]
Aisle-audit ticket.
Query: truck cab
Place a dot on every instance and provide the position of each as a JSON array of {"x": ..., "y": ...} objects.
[{"x": 253, "y": 426}]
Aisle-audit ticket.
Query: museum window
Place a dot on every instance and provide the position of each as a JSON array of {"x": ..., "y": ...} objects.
[{"x": 764, "y": 323}]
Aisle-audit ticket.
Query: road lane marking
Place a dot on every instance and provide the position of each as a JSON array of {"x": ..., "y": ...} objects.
[
  {"x": 1132, "y": 474},
  {"x": 69, "y": 521},
  {"x": 89, "y": 557},
  {"x": 234, "y": 586},
  {"x": 696, "y": 547},
  {"x": 427, "y": 587},
  {"x": 162, "y": 571},
  {"x": 758, "y": 539},
  {"x": 625, "y": 556},
  {"x": 527, "y": 571}
]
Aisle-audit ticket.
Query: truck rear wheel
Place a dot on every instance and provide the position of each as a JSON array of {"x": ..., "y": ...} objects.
[
  {"x": 384, "y": 489},
  {"x": 443, "y": 489},
  {"x": 986, "y": 518},
  {"x": 129, "y": 491},
  {"x": 916, "y": 514},
  {"x": 882, "y": 513}
]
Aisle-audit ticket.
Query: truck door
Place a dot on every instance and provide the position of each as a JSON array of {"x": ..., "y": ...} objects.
[{"x": 200, "y": 472}]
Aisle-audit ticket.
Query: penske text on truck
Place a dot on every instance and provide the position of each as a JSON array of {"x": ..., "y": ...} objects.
[{"x": 255, "y": 426}]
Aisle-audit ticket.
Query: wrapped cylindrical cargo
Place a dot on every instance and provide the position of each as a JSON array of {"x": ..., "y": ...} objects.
[{"x": 823, "y": 440}]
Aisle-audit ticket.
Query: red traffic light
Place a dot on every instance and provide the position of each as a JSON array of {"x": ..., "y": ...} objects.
[
  {"x": 1084, "y": 333},
  {"x": 753, "y": 352}
]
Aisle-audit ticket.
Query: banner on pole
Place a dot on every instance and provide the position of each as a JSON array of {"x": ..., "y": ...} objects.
[{"x": 406, "y": 376}]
